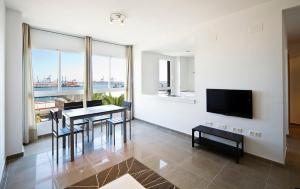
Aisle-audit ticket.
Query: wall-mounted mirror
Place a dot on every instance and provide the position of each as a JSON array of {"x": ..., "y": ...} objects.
[{"x": 167, "y": 75}]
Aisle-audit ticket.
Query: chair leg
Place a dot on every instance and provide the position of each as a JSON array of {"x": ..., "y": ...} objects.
[
  {"x": 57, "y": 150},
  {"x": 52, "y": 145},
  {"x": 106, "y": 127},
  {"x": 114, "y": 128},
  {"x": 101, "y": 125},
  {"x": 82, "y": 142},
  {"x": 88, "y": 132},
  {"x": 69, "y": 141},
  {"x": 130, "y": 129},
  {"x": 122, "y": 129},
  {"x": 76, "y": 140},
  {"x": 110, "y": 128},
  {"x": 93, "y": 131}
]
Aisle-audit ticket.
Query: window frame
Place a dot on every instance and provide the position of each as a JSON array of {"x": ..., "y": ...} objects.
[
  {"x": 109, "y": 89},
  {"x": 60, "y": 92},
  {"x": 168, "y": 87}
]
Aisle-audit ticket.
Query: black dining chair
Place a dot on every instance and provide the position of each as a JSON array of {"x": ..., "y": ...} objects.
[
  {"x": 97, "y": 119},
  {"x": 82, "y": 123},
  {"x": 113, "y": 122},
  {"x": 73, "y": 105},
  {"x": 59, "y": 132}
]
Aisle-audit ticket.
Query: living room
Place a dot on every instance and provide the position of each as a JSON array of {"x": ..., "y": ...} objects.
[{"x": 166, "y": 60}]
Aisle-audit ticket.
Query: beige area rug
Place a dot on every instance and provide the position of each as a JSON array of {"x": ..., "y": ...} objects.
[{"x": 142, "y": 174}]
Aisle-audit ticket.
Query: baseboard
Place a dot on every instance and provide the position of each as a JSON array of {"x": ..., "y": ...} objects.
[
  {"x": 285, "y": 152},
  {"x": 4, "y": 171},
  {"x": 4, "y": 175},
  {"x": 190, "y": 136},
  {"x": 14, "y": 156},
  {"x": 165, "y": 128},
  {"x": 44, "y": 136}
]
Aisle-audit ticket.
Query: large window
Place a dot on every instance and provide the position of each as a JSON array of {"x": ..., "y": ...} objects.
[
  {"x": 45, "y": 65},
  {"x": 55, "y": 70},
  {"x": 57, "y": 78},
  {"x": 118, "y": 73},
  {"x": 101, "y": 72},
  {"x": 72, "y": 71},
  {"x": 58, "y": 75},
  {"x": 108, "y": 73}
]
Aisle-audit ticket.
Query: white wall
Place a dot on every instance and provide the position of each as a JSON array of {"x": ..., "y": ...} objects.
[
  {"x": 184, "y": 74},
  {"x": 239, "y": 51},
  {"x": 175, "y": 76},
  {"x": 2, "y": 86},
  {"x": 150, "y": 73},
  {"x": 187, "y": 74},
  {"x": 13, "y": 83}
]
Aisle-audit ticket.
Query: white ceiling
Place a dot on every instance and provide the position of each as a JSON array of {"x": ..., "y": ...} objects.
[
  {"x": 292, "y": 22},
  {"x": 151, "y": 22}
]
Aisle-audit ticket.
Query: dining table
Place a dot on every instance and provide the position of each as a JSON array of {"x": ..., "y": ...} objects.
[{"x": 70, "y": 116}]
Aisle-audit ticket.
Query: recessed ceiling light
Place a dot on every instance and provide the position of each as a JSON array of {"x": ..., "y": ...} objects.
[{"x": 117, "y": 18}]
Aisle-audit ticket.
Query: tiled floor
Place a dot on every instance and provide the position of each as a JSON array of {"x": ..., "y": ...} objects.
[{"x": 169, "y": 154}]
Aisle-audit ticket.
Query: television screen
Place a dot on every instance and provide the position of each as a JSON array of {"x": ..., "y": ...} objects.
[{"x": 230, "y": 102}]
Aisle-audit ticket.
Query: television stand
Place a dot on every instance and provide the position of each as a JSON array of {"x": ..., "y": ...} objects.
[{"x": 237, "y": 138}]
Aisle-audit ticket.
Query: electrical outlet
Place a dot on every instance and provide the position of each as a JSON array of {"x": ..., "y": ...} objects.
[
  {"x": 209, "y": 123},
  {"x": 255, "y": 134},
  {"x": 237, "y": 130},
  {"x": 251, "y": 133},
  {"x": 240, "y": 130},
  {"x": 224, "y": 127},
  {"x": 258, "y": 134}
]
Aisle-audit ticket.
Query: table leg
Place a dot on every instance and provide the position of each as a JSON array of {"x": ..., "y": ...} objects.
[
  {"x": 193, "y": 138},
  {"x": 72, "y": 139},
  {"x": 237, "y": 152},
  {"x": 243, "y": 148},
  {"x": 64, "y": 125},
  {"x": 200, "y": 138},
  {"x": 124, "y": 125},
  {"x": 110, "y": 126},
  {"x": 88, "y": 132}
]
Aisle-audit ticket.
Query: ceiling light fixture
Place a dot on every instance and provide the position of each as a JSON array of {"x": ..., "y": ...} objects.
[{"x": 117, "y": 18}]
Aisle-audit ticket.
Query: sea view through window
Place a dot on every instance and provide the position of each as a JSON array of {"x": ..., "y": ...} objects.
[{"x": 58, "y": 77}]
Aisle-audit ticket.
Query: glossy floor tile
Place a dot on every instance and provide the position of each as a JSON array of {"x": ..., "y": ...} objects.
[{"x": 167, "y": 153}]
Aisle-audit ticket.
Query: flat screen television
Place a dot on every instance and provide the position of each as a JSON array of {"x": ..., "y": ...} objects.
[{"x": 230, "y": 102}]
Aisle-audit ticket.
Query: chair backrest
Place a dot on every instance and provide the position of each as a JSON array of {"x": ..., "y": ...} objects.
[
  {"x": 92, "y": 103},
  {"x": 73, "y": 105},
  {"x": 54, "y": 118},
  {"x": 127, "y": 105}
]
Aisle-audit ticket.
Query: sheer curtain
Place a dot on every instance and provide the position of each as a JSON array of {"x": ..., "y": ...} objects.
[
  {"x": 88, "y": 77},
  {"x": 129, "y": 78},
  {"x": 30, "y": 129}
]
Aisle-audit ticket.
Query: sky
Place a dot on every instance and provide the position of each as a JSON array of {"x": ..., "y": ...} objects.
[{"x": 46, "y": 63}]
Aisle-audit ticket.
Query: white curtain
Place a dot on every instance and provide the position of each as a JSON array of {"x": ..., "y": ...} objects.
[
  {"x": 88, "y": 72},
  {"x": 129, "y": 78},
  {"x": 30, "y": 129}
]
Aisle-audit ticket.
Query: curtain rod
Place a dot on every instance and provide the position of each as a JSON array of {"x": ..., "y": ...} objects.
[{"x": 77, "y": 36}]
